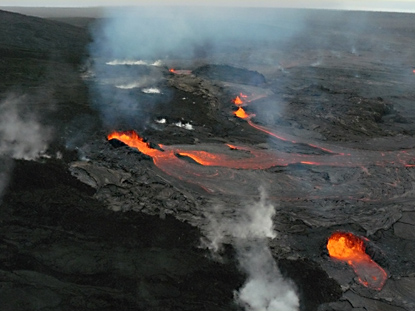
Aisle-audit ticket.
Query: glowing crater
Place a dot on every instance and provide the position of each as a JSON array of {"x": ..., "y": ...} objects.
[{"x": 350, "y": 248}]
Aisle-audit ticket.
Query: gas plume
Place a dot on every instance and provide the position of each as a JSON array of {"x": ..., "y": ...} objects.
[
  {"x": 132, "y": 46},
  {"x": 248, "y": 231},
  {"x": 22, "y": 135}
]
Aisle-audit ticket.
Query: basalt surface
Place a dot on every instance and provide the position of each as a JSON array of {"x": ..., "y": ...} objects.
[{"x": 104, "y": 226}]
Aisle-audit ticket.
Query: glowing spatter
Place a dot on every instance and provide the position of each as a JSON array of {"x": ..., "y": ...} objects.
[
  {"x": 350, "y": 248},
  {"x": 238, "y": 101}
]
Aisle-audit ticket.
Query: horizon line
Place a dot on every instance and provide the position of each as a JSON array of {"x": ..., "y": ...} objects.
[{"x": 380, "y": 10}]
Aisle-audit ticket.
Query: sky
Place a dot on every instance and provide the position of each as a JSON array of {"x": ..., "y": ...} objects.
[{"x": 371, "y": 5}]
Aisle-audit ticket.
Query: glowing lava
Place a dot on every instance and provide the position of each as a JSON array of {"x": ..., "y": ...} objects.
[
  {"x": 132, "y": 139},
  {"x": 240, "y": 113},
  {"x": 347, "y": 247},
  {"x": 238, "y": 101},
  {"x": 224, "y": 165}
]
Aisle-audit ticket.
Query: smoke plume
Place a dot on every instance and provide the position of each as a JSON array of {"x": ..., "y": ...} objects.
[
  {"x": 22, "y": 136},
  {"x": 248, "y": 231},
  {"x": 131, "y": 48}
]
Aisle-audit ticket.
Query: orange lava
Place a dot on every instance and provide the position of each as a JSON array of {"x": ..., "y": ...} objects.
[
  {"x": 243, "y": 95},
  {"x": 350, "y": 248},
  {"x": 132, "y": 139},
  {"x": 309, "y": 163},
  {"x": 172, "y": 70},
  {"x": 240, "y": 113},
  {"x": 238, "y": 101},
  {"x": 204, "y": 158}
]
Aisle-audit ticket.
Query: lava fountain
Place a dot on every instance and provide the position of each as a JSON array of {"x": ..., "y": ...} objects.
[{"x": 350, "y": 248}]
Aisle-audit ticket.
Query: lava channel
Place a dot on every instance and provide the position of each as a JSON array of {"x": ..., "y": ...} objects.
[{"x": 350, "y": 248}]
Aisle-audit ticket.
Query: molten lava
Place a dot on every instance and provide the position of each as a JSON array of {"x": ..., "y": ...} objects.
[
  {"x": 347, "y": 247},
  {"x": 172, "y": 160},
  {"x": 238, "y": 101},
  {"x": 132, "y": 139},
  {"x": 172, "y": 70},
  {"x": 240, "y": 113}
]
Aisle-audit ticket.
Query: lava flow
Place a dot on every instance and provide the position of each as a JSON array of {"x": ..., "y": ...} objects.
[
  {"x": 347, "y": 247},
  {"x": 180, "y": 71},
  {"x": 132, "y": 139},
  {"x": 241, "y": 113},
  {"x": 238, "y": 101},
  {"x": 170, "y": 159}
]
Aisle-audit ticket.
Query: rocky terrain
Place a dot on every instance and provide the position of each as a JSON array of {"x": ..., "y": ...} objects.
[{"x": 92, "y": 224}]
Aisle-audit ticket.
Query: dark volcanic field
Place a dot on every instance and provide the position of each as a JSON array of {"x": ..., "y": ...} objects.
[{"x": 90, "y": 225}]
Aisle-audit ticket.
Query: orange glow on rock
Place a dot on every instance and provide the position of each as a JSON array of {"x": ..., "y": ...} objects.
[
  {"x": 243, "y": 95},
  {"x": 240, "y": 113},
  {"x": 172, "y": 70},
  {"x": 350, "y": 248}
]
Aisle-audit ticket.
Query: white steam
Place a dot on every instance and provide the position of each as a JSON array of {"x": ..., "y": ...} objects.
[
  {"x": 129, "y": 86},
  {"x": 161, "y": 121},
  {"x": 151, "y": 90},
  {"x": 118, "y": 62},
  {"x": 22, "y": 135},
  {"x": 127, "y": 42},
  {"x": 186, "y": 126},
  {"x": 265, "y": 289}
]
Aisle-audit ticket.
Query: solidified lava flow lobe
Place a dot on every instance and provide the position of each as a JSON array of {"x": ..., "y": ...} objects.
[{"x": 347, "y": 247}]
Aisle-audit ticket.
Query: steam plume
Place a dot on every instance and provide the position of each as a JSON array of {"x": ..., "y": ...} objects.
[
  {"x": 265, "y": 289},
  {"x": 130, "y": 46},
  {"x": 22, "y": 135}
]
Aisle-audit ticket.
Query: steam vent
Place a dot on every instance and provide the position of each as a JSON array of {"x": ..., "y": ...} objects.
[{"x": 207, "y": 158}]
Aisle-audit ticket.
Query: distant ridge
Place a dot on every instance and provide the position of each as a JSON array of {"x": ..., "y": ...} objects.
[
  {"x": 49, "y": 12},
  {"x": 22, "y": 35}
]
